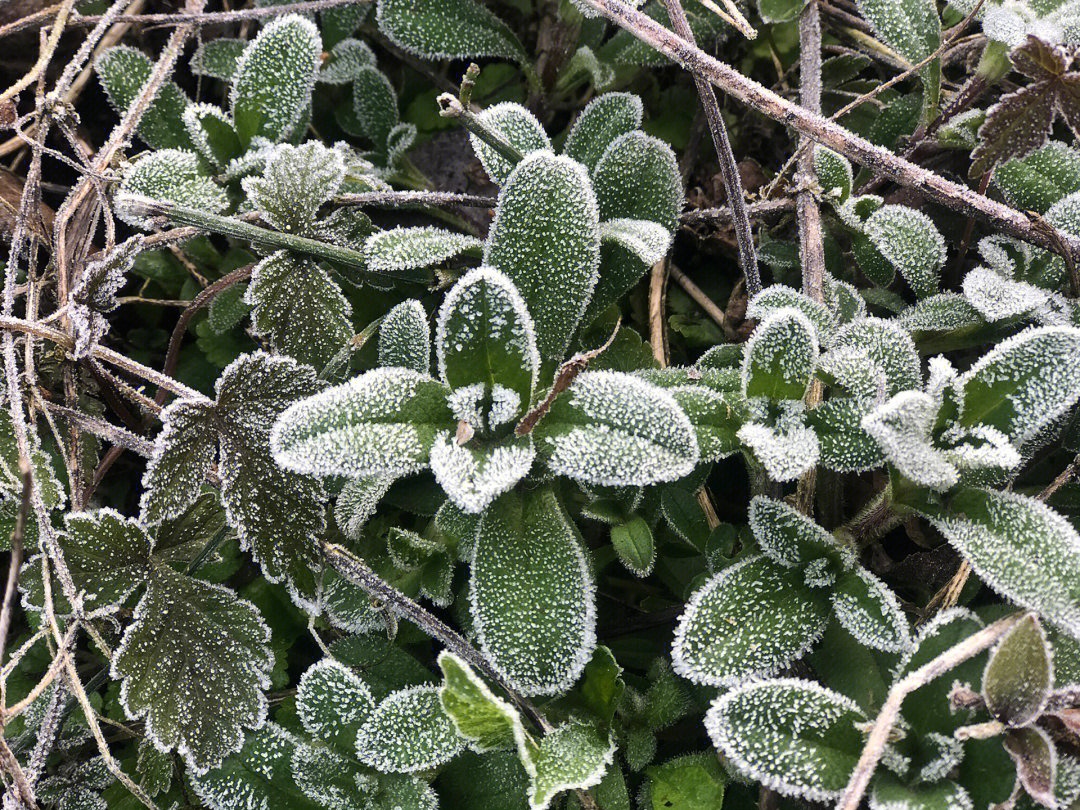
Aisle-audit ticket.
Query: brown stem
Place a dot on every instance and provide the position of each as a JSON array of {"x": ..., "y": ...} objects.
[{"x": 13, "y": 576}]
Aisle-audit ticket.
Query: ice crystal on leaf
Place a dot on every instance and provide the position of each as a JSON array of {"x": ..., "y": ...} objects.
[
  {"x": 271, "y": 90},
  {"x": 408, "y": 732},
  {"x": 518, "y": 127},
  {"x": 296, "y": 181},
  {"x": 217, "y": 58},
  {"x": 603, "y": 120},
  {"x": 786, "y": 450},
  {"x": 333, "y": 703},
  {"x": 375, "y": 105},
  {"x": 750, "y": 620},
  {"x": 473, "y": 478},
  {"x": 401, "y": 249},
  {"x": 345, "y": 60},
  {"x": 909, "y": 240},
  {"x": 574, "y": 755},
  {"x": 546, "y": 239},
  {"x": 716, "y": 417},
  {"x": 94, "y": 294},
  {"x": 997, "y": 298},
  {"x": 890, "y": 346},
  {"x": 612, "y": 429},
  {"x": 211, "y": 131},
  {"x": 108, "y": 556},
  {"x": 459, "y": 29},
  {"x": 647, "y": 240},
  {"x": 172, "y": 175},
  {"x": 890, "y": 793},
  {"x": 488, "y": 722},
  {"x": 790, "y": 538},
  {"x": 780, "y": 296},
  {"x": 902, "y": 428},
  {"x": 541, "y": 637},
  {"x": 869, "y": 610},
  {"x": 184, "y": 453},
  {"x": 843, "y": 444},
  {"x": 780, "y": 356},
  {"x": 833, "y": 173},
  {"x": 123, "y": 72},
  {"x": 193, "y": 663},
  {"x": 405, "y": 339},
  {"x": 1019, "y": 674}
]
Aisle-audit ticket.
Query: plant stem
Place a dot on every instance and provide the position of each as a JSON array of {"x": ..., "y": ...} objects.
[{"x": 450, "y": 106}]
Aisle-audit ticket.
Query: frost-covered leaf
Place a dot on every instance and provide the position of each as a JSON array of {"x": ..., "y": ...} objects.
[
  {"x": 868, "y": 609},
  {"x": 1021, "y": 548},
  {"x": 458, "y": 29},
  {"x": 780, "y": 296},
  {"x": 518, "y": 127},
  {"x": 94, "y": 294},
  {"x": 912, "y": 28},
  {"x": 795, "y": 737},
  {"x": 345, "y": 60},
  {"x": 750, "y": 620},
  {"x": 540, "y": 637},
  {"x": 633, "y": 543},
  {"x": 298, "y": 308},
  {"x": 647, "y": 240},
  {"x": 380, "y": 423},
  {"x": 488, "y": 722},
  {"x": 902, "y": 428},
  {"x": 211, "y": 131},
  {"x": 107, "y": 555},
  {"x": 998, "y": 298},
  {"x": 123, "y": 72},
  {"x": 401, "y": 249},
  {"x": 852, "y": 370},
  {"x": 473, "y": 477},
  {"x": 408, "y": 732},
  {"x": 583, "y": 66},
  {"x": 217, "y": 58},
  {"x": 888, "y": 792},
  {"x": 844, "y": 445},
  {"x": 154, "y": 769},
  {"x": 193, "y": 663},
  {"x": 333, "y": 703},
  {"x": 172, "y": 175},
  {"x": 889, "y": 346},
  {"x": 274, "y": 77},
  {"x": 716, "y": 418},
  {"x": 944, "y": 312},
  {"x": 790, "y": 538},
  {"x": 603, "y": 120},
  {"x": 636, "y": 177},
  {"x": 357, "y": 503},
  {"x": 833, "y": 173},
  {"x": 1024, "y": 383},
  {"x": 335, "y": 781},
  {"x": 1038, "y": 180},
  {"x": 612, "y": 429},
  {"x": 786, "y": 450},
  {"x": 1036, "y": 762},
  {"x": 184, "y": 453},
  {"x": 296, "y": 181},
  {"x": 375, "y": 105},
  {"x": 909, "y": 240},
  {"x": 574, "y": 755},
  {"x": 780, "y": 356},
  {"x": 405, "y": 339},
  {"x": 1019, "y": 675},
  {"x": 259, "y": 776}
]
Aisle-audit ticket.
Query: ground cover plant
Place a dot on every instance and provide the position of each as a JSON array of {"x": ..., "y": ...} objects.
[{"x": 529, "y": 404}]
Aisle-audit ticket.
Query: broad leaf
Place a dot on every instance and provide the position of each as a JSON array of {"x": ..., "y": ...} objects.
[
  {"x": 779, "y": 296},
  {"x": 833, "y": 174},
  {"x": 217, "y": 58},
  {"x": 889, "y": 346},
  {"x": 1036, "y": 762},
  {"x": 184, "y": 453},
  {"x": 909, "y": 240},
  {"x": 458, "y": 29},
  {"x": 405, "y": 339},
  {"x": 603, "y": 120},
  {"x": 400, "y": 249},
  {"x": 868, "y": 609},
  {"x": 488, "y": 722},
  {"x": 1019, "y": 674},
  {"x": 1038, "y": 180},
  {"x": 902, "y": 428},
  {"x": 345, "y": 59},
  {"x": 518, "y": 127},
  {"x": 687, "y": 782},
  {"x": 789, "y": 538},
  {"x": 786, "y": 450},
  {"x": 845, "y": 446},
  {"x": 296, "y": 182},
  {"x": 375, "y": 105},
  {"x": 333, "y": 704},
  {"x": 172, "y": 175},
  {"x": 473, "y": 477},
  {"x": 647, "y": 240},
  {"x": 107, "y": 555},
  {"x": 780, "y": 356},
  {"x": 633, "y": 543},
  {"x": 123, "y": 72},
  {"x": 408, "y": 732},
  {"x": 540, "y": 637},
  {"x": 716, "y": 418},
  {"x": 890, "y": 793},
  {"x": 574, "y": 755},
  {"x": 912, "y": 28},
  {"x": 211, "y": 131}
]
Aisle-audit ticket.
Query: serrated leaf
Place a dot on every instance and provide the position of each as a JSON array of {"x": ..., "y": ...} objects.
[
  {"x": 1017, "y": 124},
  {"x": 193, "y": 663},
  {"x": 217, "y": 58},
  {"x": 603, "y": 120},
  {"x": 833, "y": 173},
  {"x": 380, "y": 423},
  {"x": 1024, "y": 383},
  {"x": 911, "y": 242},
  {"x": 401, "y": 249},
  {"x": 408, "y": 732},
  {"x": 294, "y": 184},
  {"x": 546, "y": 239},
  {"x": 486, "y": 721},
  {"x": 1019, "y": 675},
  {"x": 790, "y": 538},
  {"x": 889, "y": 346},
  {"x": 540, "y": 637},
  {"x": 184, "y": 453},
  {"x": 298, "y": 308},
  {"x": 633, "y": 543},
  {"x": 333, "y": 703},
  {"x": 333, "y": 780},
  {"x": 518, "y": 127},
  {"x": 612, "y": 429},
  {"x": 211, "y": 131},
  {"x": 647, "y": 240},
  {"x": 795, "y": 737},
  {"x": 868, "y": 609},
  {"x": 357, "y": 503},
  {"x": 1038, "y": 180},
  {"x": 123, "y": 71},
  {"x": 94, "y": 294},
  {"x": 154, "y": 769},
  {"x": 750, "y": 620},
  {"x": 274, "y": 77},
  {"x": 1019, "y": 547},
  {"x": 780, "y": 356},
  {"x": 460, "y": 29},
  {"x": 574, "y": 755},
  {"x": 107, "y": 555},
  {"x": 374, "y": 105},
  {"x": 171, "y": 175},
  {"x": 405, "y": 339}
]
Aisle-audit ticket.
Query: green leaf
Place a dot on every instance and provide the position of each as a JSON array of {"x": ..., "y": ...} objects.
[
  {"x": 486, "y": 721},
  {"x": 154, "y": 769},
  {"x": 171, "y": 175},
  {"x": 408, "y": 732},
  {"x": 786, "y": 450},
  {"x": 260, "y": 775},
  {"x": 294, "y": 184},
  {"x": 780, "y": 356},
  {"x": 1019, "y": 547},
  {"x": 1036, "y": 762},
  {"x": 123, "y": 71},
  {"x": 833, "y": 173},
  {"x": 1024, "y": 383},
  {"x": 108, "y": 556},
  {"x": 345, "y": 60},
  {"x": 889, "y": 346},
  {"x": 779, "y": 11},
  {"x": 184, "y": 453},
  {"x": 357, "y": 502},
  {"x": 633, "y": 543},
  {"x": 474, "y": 475},
  {"x": 218, "y": 58},
  {"x": 193, "y": 663},
  {"x": 790, "y": 538},
  {"x": 298, "y": 308},
  {"x": 11, "y": 479},
  {"x": 689, "y": 782},
  {"x": 546, "y": 239},
  {"x": 518, "y": 127},
  {"x": 779, "y": 296},
  {"x": 459, "y": 29},
  {"x": 272, "y": 87},
  {"x": 603, "y": 120},
  {"x": 868, "y": 609},
  {"x": 1038, "y": 180},
  {"x": 493, "y": 781},
  {"x": 887, "y": 791},
  {"x": 333, "y": 780},
  {"x": 613, "y": 429},
  {"x": 795, "y": 737},
  {"x": 485, "y": 344},
  {"x": 540, "y": 637},
  {"x": 902, "y": 428},
  {"x": 211, "y": 131},
  {"x": 716, "y": 418},
  {"x": 602, "y": 686},
  {"x": 1019, "y": 675},
  {"x": 574, "y": 755},
  {"x": 750, "y": 620},
  {"x": 845, "y": 446},
  {"x": 405, "y": 339},
  {"x": 380, "y": 423},
  {"x": 375, "y": 105},
  {"x": 912, "y": 28},
  {"x": 400, "y": 249},
  {"x": 636, "y": 177},
  {"x": 647, "y": 240},
  {"x": 333, "y": 704},
  {"x": 909, "y": 240}
]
